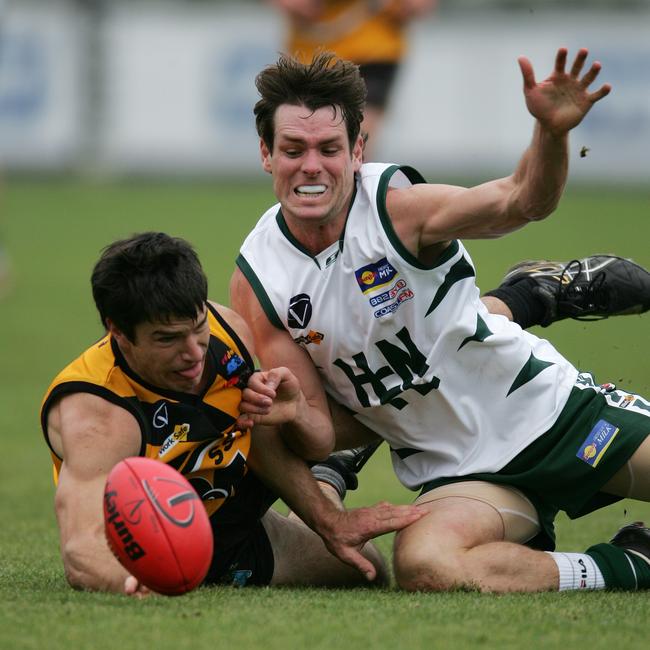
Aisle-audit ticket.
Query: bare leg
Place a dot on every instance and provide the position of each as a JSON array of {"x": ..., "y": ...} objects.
[
  {"x": 633, "y": 480},
  {"x": 462, "y": 544},
  {"x": 301, "y": 557}
]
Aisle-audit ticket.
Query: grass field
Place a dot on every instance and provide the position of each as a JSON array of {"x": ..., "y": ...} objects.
[{"x": 54, "y": 232}]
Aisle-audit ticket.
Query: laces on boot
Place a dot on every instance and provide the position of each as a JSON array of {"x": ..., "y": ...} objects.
[{"x": 580, "y": 297}]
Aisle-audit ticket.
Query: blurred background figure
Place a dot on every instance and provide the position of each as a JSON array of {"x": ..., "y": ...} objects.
[{"x": 371, "y": 33}]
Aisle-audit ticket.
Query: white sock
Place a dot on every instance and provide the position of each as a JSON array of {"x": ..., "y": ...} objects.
[{"x": 578, "y": 571}]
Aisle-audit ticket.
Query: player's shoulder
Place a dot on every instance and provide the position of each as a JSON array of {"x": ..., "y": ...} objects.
[
  {"x": 94, "y": 365},
  {"x": 235, "y": 323},
  {"x": 226, "y": 313}
]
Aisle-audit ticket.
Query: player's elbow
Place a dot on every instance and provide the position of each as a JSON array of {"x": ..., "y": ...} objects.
[
  {"x": 541, "y": 209},
  {"x": 76, "y": 572},
  {"x": 80, "y": 567},
  {"x": 527, "y": 209}
]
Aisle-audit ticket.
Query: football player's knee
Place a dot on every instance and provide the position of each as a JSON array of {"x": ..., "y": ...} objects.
[{"x": 425, "y": 570}]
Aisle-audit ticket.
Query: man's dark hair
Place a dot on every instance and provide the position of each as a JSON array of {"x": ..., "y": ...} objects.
[
  {"x": 150, "y": 277},
  {"x": 325, "y": 81}
]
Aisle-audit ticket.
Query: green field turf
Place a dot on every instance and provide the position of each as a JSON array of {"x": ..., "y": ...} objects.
[{"x": 54, "y": 232}]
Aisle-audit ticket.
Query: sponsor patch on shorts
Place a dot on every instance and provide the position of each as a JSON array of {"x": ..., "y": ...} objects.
[{"x": 597, "y": 442}]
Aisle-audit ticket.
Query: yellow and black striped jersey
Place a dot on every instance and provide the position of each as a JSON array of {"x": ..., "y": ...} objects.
[
  {"x": 195, "y": 434},
  {"x": 363, "y": 31}
]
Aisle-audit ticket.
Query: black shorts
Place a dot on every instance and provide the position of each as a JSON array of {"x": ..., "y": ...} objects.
[
  {"x": 379, "y": 78},
  {"x": 242, "y": 551}
]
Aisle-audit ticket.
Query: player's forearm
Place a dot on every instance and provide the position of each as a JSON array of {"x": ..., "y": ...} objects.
[
  {"x": 541, "y": 175},
  {"x": 310, "y": 434},
  {"x": 290, "y": 478}
]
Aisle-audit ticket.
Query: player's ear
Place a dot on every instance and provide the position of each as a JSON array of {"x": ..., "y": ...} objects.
[
  {"x": 266, "y": 157},
  {"x": 117, "y": 334},
  {"x": 357, "y": 153}
]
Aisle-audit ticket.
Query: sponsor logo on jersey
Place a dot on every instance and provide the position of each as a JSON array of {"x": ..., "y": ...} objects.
[
  {"x": 597, "y": 442},
  {"x": 387, "y": 295},
  {"x": 375, "y": 275},
  {"x": 231, "y": 361},
  {"x": 312, "y": 337},
  {"x": 160, "y": 417},
  {"x": 331, "y": 259},
  {"x": 178, "y": 435},
  {"x": 402, "y": 297},
  {"x": 300, "y": 310}
]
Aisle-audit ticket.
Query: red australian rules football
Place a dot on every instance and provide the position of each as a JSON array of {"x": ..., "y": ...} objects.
[{"x": 157, "y": 525}]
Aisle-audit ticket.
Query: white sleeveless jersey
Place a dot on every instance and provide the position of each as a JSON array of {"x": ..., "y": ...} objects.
[{"x": 410, "y": 349}]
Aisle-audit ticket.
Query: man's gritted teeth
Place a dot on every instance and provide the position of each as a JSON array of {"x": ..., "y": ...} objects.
[{"x": 310, "y": 190}]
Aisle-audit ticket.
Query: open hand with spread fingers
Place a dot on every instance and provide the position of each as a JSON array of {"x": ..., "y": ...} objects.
[
  {"x": 349, "y": 531},
  {"x": 561, "y": 101}
]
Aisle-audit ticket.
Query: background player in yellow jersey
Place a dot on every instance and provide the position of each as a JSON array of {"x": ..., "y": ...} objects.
[
  {"x": 371, "y": 33},
  {"x": 171, "y": 359}
]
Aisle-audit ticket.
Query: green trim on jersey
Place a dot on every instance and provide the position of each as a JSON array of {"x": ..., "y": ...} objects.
[
  {"x": 482, "y": 332},
  {"x": 416, "y": 178},
  {"x": 260, "y": 292},
  {"x": 284, "y": 229},
  {"x": 459, "y": 271},
  {"x": 531, "y": 369}
]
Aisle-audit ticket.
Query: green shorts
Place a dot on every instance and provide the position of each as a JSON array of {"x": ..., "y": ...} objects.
[{"x": 598, "y": 430}]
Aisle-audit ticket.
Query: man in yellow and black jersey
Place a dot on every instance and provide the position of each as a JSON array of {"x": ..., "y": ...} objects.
[{"x": 166, "y": 382}]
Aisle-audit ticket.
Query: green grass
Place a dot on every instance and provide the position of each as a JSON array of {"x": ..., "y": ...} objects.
[{"x": 54, "y": 232}]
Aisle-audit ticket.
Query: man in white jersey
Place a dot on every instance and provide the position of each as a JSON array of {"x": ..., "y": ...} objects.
[{"x": 358, "y": 281}]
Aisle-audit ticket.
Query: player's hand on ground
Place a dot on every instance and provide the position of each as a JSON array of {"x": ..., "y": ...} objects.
[
  {"x": 561, "y": 101},
  {"x": 351, "y": 529},
  {"x": 133, "y": 587},
  {"x": 271, "y": 397}
]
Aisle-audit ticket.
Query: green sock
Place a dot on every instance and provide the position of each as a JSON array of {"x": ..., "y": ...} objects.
[{"x": 621, "y": 569}]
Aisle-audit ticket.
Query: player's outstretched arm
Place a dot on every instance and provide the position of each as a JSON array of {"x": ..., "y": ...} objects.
[
  {"x": 424, "y": 215},
  {"x": 91, "y": 435}
]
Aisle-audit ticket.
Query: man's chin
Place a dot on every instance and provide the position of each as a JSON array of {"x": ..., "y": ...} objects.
[
  {"x": 312, "y": 210},
  {"x": 184, "y": 385}
]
